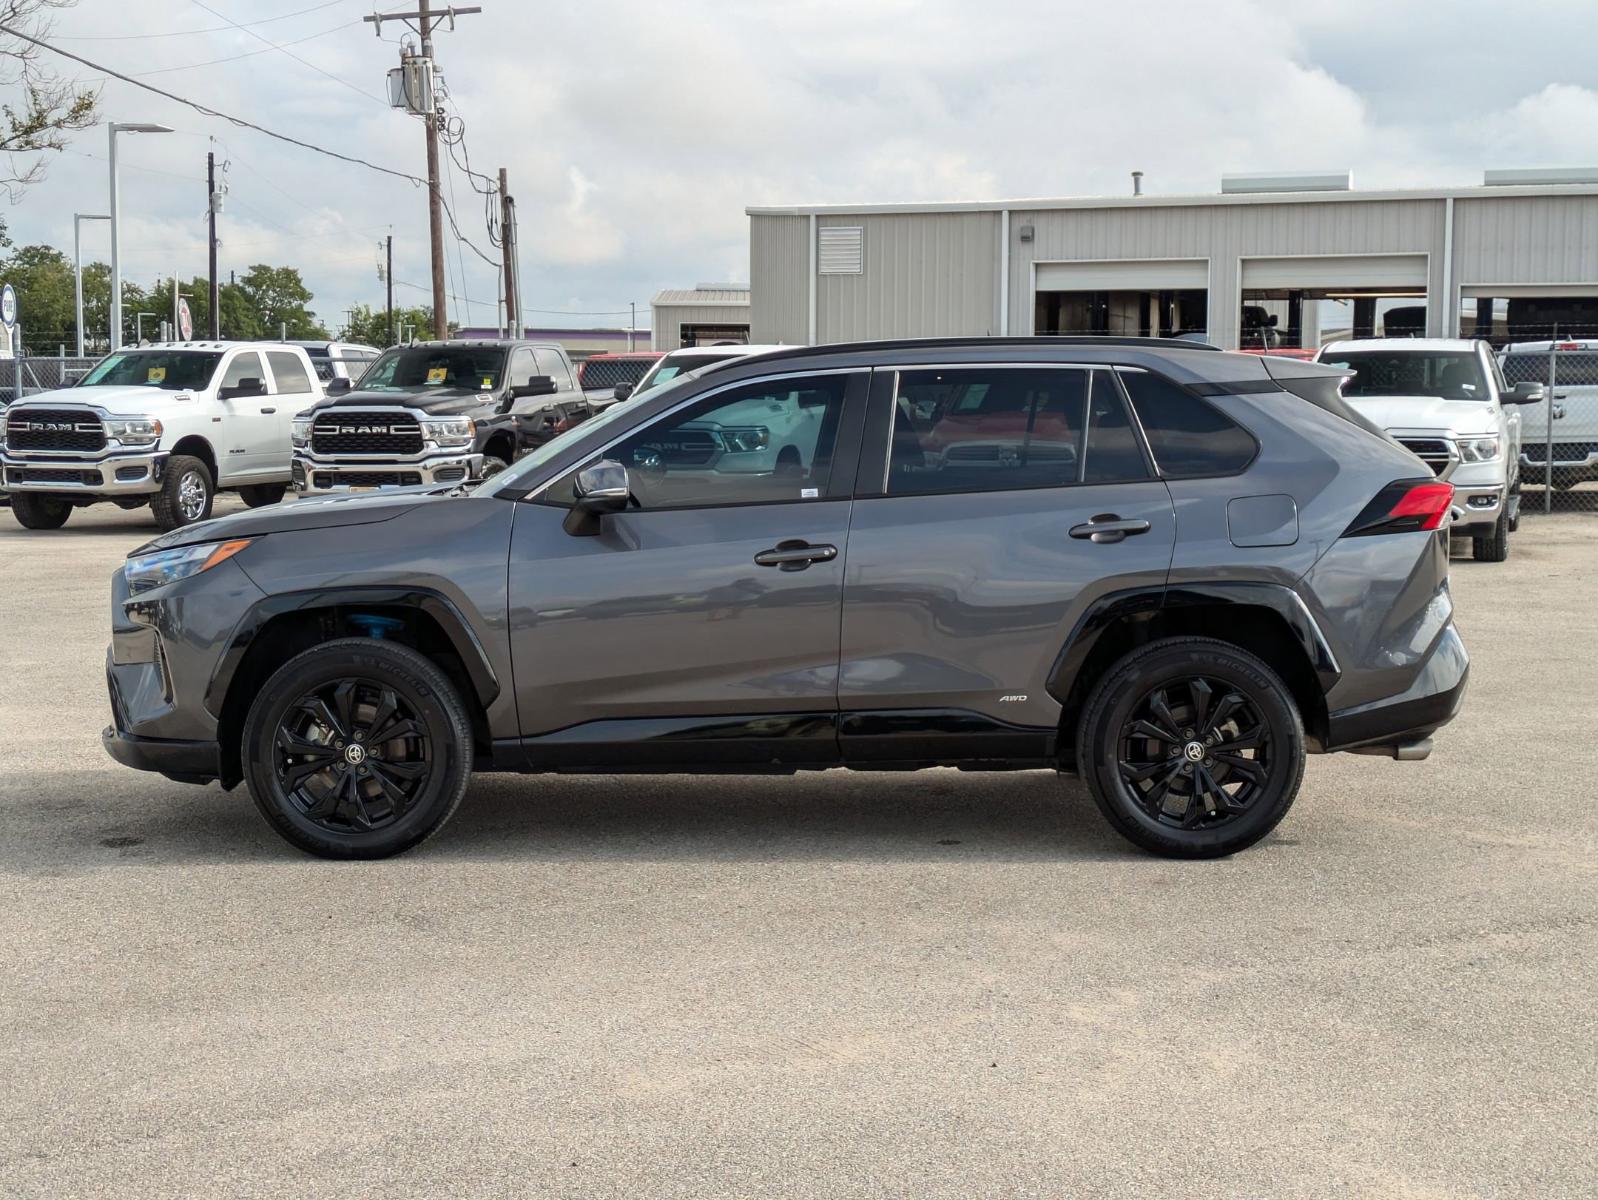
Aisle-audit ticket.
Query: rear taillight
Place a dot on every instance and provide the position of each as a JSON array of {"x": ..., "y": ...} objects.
[
  {"x": 1569, "y": 346},
  {"x": 1408, "y": 506}
]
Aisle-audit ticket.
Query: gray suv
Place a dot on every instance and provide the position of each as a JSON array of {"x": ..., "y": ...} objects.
[{"x": 1169, "y": 570}]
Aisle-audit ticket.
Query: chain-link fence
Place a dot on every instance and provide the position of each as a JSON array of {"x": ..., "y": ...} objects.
[
  {"x": 26, "y": 376},
  {"x": 1558, "y": 457}
]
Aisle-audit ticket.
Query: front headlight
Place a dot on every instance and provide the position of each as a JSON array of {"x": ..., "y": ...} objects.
[
  {"x": 449, "y": 431},
  {"x": 1478, "y": 449},
  {"x": 133, "y": 431},
  {"x": 300, "y": 431},
  {"x": 746, "y": 440},
  {"x": 149, "y": 571}
]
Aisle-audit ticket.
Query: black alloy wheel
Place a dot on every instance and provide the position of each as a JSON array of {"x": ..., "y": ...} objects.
[
  {"x": 1191, "y": 747},
  {"x": 1194, "y": 753},
  {"x": 357, "y": 748}
]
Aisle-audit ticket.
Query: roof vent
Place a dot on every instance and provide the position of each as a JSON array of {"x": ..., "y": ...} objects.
[
  {"x": 1310, "y": 181},
  {"x": 840, "y": 249},
  {"x": 1533, "y": 176}
]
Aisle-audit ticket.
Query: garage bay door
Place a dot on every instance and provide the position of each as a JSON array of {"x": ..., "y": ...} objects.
[
  {"x": 1150, "y": 274},
  {"x": 1407, "y": 271}
]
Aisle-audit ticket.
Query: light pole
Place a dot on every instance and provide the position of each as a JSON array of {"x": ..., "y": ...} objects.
[
  {"x": 138, "y": 326},
  {"x": 116, "y": 127},
  {"x": 77, "y": 267}
]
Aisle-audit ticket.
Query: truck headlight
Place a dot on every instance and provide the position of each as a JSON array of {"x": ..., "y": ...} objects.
[
  {"x": 133, "y": 431},
  {"x": 1473, "y": 450},
  {"x": 300, "y": 431},
  {"x": 746, "y": 440},
  {"x": 449, "y": 431},
  {"x": 149, "y": 571}
]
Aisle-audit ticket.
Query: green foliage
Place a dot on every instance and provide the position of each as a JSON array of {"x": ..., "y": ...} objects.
[
  {"x": 369, "y": 326},
  {"x": 278, "y": 297}
]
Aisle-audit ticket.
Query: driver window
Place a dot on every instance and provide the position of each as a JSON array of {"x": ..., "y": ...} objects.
[
  {"x": 758, "y": 444},
  {"x": 522, "y": 367},
  {"x": 244, "y": 366}
]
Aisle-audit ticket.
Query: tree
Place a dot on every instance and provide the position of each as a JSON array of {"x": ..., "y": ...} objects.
[
  {"x": 43, "y": 108},
  {"x": 279, "y": 297},
  {"x": 369, "y": 326},
  {"x": 42, "y": 277},
  {"x": 97, "y": 306}
]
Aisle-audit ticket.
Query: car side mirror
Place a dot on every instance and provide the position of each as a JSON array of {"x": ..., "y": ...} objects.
[
  {"x": 600, "y": 488},
  {"x": 244, "y": 387},
  {"x": 623, "y": 390},
  {"x": 340, "y": 384},
  {"x": 1527, "y": 391},
  {"x": 537, "y": 385}
]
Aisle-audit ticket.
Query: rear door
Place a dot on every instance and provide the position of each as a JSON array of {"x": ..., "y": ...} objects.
[
  {"x": 294, "y": 390},
  {"x": 994, "y": 505},
  {"x": 707, "y": 613}
]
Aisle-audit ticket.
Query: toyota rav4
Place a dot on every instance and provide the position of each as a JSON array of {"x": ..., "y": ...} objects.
[{"x": 1170, "y": 570}]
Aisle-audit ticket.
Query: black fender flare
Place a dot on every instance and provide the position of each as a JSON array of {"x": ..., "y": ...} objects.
[
  {"x": 1145, "y": 603},
  {"x": 435, "y": 604}
]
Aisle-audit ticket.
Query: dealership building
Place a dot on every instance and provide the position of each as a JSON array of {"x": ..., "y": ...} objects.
[{"x": 1284, "y": 260}]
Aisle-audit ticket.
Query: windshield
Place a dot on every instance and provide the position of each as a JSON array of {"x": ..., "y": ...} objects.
[
  {"x": 436, "y": 368},
  {"x": 674, "y": 365},
  {"x": 169, "y": 370},
  {"x": 1446, "y": 374}
]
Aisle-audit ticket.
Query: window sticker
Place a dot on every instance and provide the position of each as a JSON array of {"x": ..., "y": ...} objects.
[
  {"x": 809, "y": 493},
  {"x": 437, "y": 374},
  {"x": 488, "y": 381},
  {"x": 155, "y": 375}
]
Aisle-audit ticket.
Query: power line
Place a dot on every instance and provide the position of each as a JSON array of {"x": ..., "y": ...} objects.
[
  {"x": 136, "y": 37},
  {"x": 303, "y": 62},
  {"x": 271, "y": 46}
]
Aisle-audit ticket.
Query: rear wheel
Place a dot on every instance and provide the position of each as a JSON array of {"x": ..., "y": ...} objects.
[
  {"x": 357, "y": 748},
  {"x": 259, "y": 495},
  {"x": 34, "y": 511},
  {"x": 186, "y": 493},
  {"x": 1492, "y": 546},
  {"x": 1191, "y": 747}
]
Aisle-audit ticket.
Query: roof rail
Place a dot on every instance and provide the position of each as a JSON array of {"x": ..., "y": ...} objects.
[{"x": 949, "y": 342}]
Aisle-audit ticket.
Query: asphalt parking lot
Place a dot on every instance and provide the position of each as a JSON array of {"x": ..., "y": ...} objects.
[{"x": 835, "y": 985}]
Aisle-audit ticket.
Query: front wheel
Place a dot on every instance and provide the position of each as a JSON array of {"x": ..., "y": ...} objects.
[
  {"x": 1191, "y": 747},
  {"x": 492, "y": 466},
  {"x": 34, "y": 511},
  {"x": 1492, "y": 546},
  {"x": 186, "y": 493},
  {"x": 357, "y": 748}
]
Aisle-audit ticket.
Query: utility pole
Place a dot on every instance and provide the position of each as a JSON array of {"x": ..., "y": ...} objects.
[
  {"x": 214, "y": 306},
  {"x": 388, "y": 274},
  {"x": 427, "y": 100},
  {"x": 507, "y": 246}
]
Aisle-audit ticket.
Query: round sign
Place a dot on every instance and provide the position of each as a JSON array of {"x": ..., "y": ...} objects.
[
  {"x": 185, "y": 320},
  {"x": 8, "y": 305}
]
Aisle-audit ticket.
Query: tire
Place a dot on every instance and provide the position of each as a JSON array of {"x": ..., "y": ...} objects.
[
  {"x": 259, "y": 495},
  {"x": 492, "y": 465},
  {"x": 325, "y": 800},
  {"x": 1494, "y": 546},
  {"x": 186, "y": 495},
  {"x": 34, "y": 511},
  {"x": 1190, "y": 813},
  {"x": 132, "y": 503}
]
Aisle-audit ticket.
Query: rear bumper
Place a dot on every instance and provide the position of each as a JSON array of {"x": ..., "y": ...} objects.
[{"x": 1433, "y": 700}]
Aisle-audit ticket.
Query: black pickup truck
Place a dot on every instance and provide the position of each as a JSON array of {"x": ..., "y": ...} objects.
[{"x": 436, "y": 412}]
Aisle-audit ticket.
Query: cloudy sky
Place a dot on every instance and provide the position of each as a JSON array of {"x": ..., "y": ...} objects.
[{"x": 636, "y": 132}]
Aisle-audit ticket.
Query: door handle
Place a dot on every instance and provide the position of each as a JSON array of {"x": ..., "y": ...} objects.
[
  {"x": 1107, "y": 528},
  {"x": 795, "y": 555},
  {"x": 269, "y": 410}
]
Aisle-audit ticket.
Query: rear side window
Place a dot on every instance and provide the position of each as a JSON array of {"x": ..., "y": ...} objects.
[
  {"x": 1188, "y": 437},
  {"x": 288, "y": 371}
]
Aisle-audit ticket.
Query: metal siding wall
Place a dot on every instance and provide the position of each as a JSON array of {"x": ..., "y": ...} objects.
[
  {"x": 926, "y": 275},
  {"x": 1526, "y": 239},
  {"x": 1223, "y": 234},
  {"x": 779, "y": 273},
  {"x": 666, "y": 332}
]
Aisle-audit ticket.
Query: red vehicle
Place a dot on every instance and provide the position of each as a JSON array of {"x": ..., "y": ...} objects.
[
  {"x": 1283, "y": 352},
  {"x": 607, "y": 370}
]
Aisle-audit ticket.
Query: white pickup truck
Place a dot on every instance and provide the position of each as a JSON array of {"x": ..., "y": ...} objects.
[
  {"x": 166, "y": 425},
  {"x": 1446, "y": 401}
]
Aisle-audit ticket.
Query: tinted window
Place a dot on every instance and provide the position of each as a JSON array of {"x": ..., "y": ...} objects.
[
  {"x": 1188, "y": 437},
  {"x": 551, "y": 364},
  {"x": 169, "y": 370},
  {"x": 1448, "y": 375},
  {"x": 986, "y": 430},
  {"x": 523, "y": 366},
  {"x": 244, "y": 366},
  {"x": 1575, "y": 368},
  {"x": 760, "y": 443},
  {"x": 1113, "y": 454},
  {"x": 436, "y": 368},
  {"x": 288, "y": 371}
]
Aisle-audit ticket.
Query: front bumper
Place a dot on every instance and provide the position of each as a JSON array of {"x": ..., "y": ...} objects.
[
  {"x": 313, "y": 475},
  {"x": 122, "y": 473},
  {"x": 185, "y": 762},
  {"x": 1477, "y": 505},
  {"x": 1433, "y": 700}
]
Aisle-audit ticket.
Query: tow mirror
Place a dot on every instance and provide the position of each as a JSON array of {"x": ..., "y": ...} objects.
[
  {"x": 600, "y": 488},
  {"x": 244, "y": 387},
  {"x": 537, "y": 385},
  {"x": 339, "y": 384},
  {"x": 1527, "y": 391},
  {"x": 623, "y": 390}
]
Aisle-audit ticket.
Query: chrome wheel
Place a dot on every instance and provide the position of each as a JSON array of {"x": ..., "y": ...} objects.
[{"x": 192, "y": 488}]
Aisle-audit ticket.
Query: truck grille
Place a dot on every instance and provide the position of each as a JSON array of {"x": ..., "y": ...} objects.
[
  {"x": 333, "y": 479},
  {"x": 366, "y": 433},
  {"x": 1434, "y": 452},
  {"x": 1537, "y": 452},
  {"x": 16, "y": 475},
  {"x": 54, "y": 429}
]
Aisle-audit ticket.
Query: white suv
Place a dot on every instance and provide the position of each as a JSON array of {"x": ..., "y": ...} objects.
[
  {"x": 167, "y": 425},
  {"x": 1445, "y": 401}
]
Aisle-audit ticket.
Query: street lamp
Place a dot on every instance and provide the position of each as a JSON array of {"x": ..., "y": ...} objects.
[
  {"x": 138, "y": 327},
  {"x": 77, "y": 267},
  {"x": 115, "y": 128}
]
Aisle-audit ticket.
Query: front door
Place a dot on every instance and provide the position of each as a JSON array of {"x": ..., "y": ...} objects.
[
  {"x": 1010, "y": 499},
  {"x": 709, "y": 612},
  {"x": 248, "y": 429}
]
